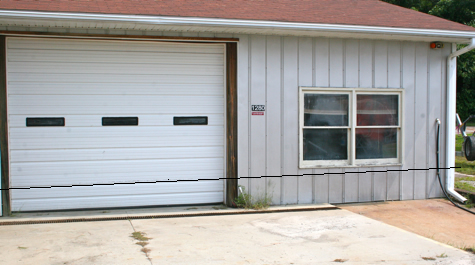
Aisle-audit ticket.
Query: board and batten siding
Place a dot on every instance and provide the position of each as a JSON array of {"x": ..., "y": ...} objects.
[{"x": 270, "y": 71}]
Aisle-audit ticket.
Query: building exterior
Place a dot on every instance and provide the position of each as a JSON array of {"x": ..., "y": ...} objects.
[{"x": 124, "y": 104}]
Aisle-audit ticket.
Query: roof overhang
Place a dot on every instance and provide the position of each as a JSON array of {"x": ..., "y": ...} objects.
[{"x": 14, "y": 19}]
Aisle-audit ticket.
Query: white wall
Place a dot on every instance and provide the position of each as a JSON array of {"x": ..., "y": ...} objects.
[{"x": 270, "y": 70}]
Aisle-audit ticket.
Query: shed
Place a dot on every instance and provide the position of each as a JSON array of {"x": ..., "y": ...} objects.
[{"x": 142, "y": 103}]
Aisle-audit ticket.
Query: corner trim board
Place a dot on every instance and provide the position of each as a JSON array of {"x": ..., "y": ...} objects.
[
  {"x": 231, "y": 124},
  {"x": 5, "y": 177}
]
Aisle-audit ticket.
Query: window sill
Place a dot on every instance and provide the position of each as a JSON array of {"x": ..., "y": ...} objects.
[{"x": 349, "y": 166}]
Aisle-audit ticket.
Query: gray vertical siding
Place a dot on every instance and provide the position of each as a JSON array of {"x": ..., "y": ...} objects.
[
  {"x": 274, "y": 113},
  {"x": 268, "y": 145},
  {"x": 305, "y": 73}
]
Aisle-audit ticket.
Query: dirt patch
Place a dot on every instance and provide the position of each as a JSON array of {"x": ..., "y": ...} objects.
[{"x": 436, "y": 219}]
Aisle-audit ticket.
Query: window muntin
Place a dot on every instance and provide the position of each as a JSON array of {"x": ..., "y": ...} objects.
[{"x": 350, "y": 127}]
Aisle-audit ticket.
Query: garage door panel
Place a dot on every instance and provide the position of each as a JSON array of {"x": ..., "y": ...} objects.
[
  {"x": 19, "y": 121},
  {"x": 113, "y": 68},
  {"x": 62, "y": 56},
  {"x": 137, "y": 166},
  {"x": 83, "y": 45},
  {"x": 122, "y": 189},
  {"x": 119, "y": 142},
  {"x": 113, "y": 88},
  {"x": 113, "y": 201},
  {"x": 107, "y": 78},
  {"x": 114, "y": 131},
  {"x": 84, "y": 81},
  {"x": 113, "y": 110},
  {"x": 104, "y": 101},
  {"x": 164, "y": 176},
  {"x": 58, "y": 155}
]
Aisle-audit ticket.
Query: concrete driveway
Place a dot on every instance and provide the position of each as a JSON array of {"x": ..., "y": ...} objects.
[{"x": 316, "y": 237}]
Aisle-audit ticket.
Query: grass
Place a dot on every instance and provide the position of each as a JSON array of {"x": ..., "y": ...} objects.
[
  {"x": 443, "y": 255},
  {"x": 246, "y": 201},
  {"x": 458, "y": 142},
  {"x": 463, "y": 185},
  {"x": 466, "y": 167}
]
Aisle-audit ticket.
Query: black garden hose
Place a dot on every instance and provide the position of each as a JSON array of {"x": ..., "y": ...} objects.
[{"x": 438, "y": 172}]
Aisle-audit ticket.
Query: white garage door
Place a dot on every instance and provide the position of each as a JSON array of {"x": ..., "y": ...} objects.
[{"x": 84, "y": 81}]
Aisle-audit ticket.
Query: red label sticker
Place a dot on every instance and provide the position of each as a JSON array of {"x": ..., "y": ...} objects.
[{"x": 258, "y": 113}]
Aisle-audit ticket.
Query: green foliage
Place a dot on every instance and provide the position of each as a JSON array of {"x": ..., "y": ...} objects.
[
  {"x": 418, "y": 5},
  {"x": 461, "y": 11},
  {"x": 466, "y": 84},
  {"x": 246, "y": 201}
]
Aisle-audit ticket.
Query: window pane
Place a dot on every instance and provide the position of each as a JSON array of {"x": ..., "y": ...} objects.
[
  {"x": 325, "y": 144},
  {"x": 325, "y": 110},
  {"x": 376, "y": 143},
  {"x": 377, "y": 110}
]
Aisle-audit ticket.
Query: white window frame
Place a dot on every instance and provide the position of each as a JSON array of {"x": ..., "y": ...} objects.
[{"x": 352, "y": 126}]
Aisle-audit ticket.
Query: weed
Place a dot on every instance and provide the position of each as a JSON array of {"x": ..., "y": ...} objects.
[
  {"x": 142, "y": 243},
  {"x": 146, "y": 251},
  {"x": 340, "y": 260},
  {"x": 443, "y": 255},
  {"x": 221, "y": 207},
  {"x": 22, "y": 247},
  {"x": 471, "y": 250},
  {"x": 428, "y": 258},
  {"x": 246, "y": 201},
  {"x": 469, "y": 203},
  {"x": 192, "y": 208},
  {"x": 105, "y": 211},
  {"x": 140, "y": 236}
]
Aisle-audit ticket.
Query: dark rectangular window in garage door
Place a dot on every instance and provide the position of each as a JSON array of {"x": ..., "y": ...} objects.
[
  {"x": 120, "y": 121},
  {"x": 196, "y": 120},
  {"x": 45, "y": 121}
]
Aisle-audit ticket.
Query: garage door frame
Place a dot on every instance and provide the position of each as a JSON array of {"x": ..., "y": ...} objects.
[{"x": 231, "y": 179}]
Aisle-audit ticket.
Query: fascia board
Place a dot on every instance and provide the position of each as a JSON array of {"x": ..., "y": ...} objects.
[{"x": 238, "y": 26}]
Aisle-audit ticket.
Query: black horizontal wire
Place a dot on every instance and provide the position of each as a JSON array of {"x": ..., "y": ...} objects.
[{"x": 184, "y": 180}]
